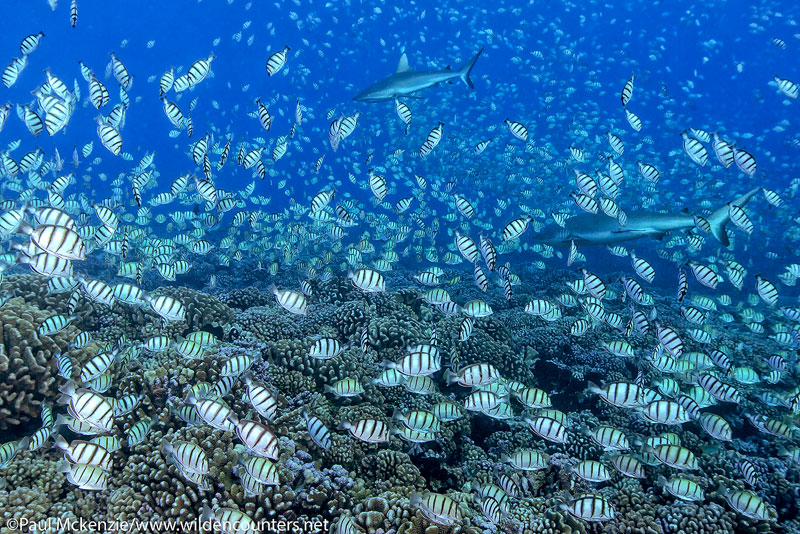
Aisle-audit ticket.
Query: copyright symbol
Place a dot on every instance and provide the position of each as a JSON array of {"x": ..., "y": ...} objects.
[{"x": 12, "y": 524}]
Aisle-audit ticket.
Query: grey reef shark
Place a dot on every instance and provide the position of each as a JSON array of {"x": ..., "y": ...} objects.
[{"x": 405, "y": 82}]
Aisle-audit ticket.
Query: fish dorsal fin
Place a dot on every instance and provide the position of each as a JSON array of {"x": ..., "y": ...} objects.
[{"x": 402, "y": 65}]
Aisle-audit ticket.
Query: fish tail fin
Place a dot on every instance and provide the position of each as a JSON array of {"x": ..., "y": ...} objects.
[
  {"x": 23, "y": 443},
  {"x": 721, "y": 216},
  {"x": 63, "y": 467},
  {"x": 450, "y": 377},
  {"x": 207, "y": 513},
  {"x": 60, "y": 442},
  {"x": 466, "y": 68}
]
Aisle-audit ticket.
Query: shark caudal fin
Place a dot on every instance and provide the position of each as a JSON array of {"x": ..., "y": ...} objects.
[
  {"x": 721, "y": 216},
  {"x": 466, "y": 68}
]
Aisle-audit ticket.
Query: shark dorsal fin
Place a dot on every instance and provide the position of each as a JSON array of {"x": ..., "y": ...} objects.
[{"x": 402, "y": 65}]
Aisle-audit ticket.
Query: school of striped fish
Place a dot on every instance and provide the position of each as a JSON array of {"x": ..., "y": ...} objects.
[{"x": 546, "y": 179}]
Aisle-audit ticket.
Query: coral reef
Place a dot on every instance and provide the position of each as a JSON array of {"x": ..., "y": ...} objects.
[
  {"x": 372, "y": 483},
  {"x": 27, "y": 367}
]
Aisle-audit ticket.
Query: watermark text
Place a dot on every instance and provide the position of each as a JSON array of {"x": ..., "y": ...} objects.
[{"x": 66, "y": 524}]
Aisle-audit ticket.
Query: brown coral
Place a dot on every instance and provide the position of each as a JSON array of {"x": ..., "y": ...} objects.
[{"x": 27, "y": 367}]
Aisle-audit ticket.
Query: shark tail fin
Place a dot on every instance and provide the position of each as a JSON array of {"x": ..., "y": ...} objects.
[
  {"x": 721, "y": 216},
  {"x": 466, "y": 68}
]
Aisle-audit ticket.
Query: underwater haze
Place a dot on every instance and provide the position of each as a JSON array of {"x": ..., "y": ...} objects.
[{"x": 399, "y": 267}]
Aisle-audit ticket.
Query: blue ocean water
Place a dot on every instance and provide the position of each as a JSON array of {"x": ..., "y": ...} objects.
[
  {"x": 682, "y": 46},
  {"x": 695, "y": 55}
]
